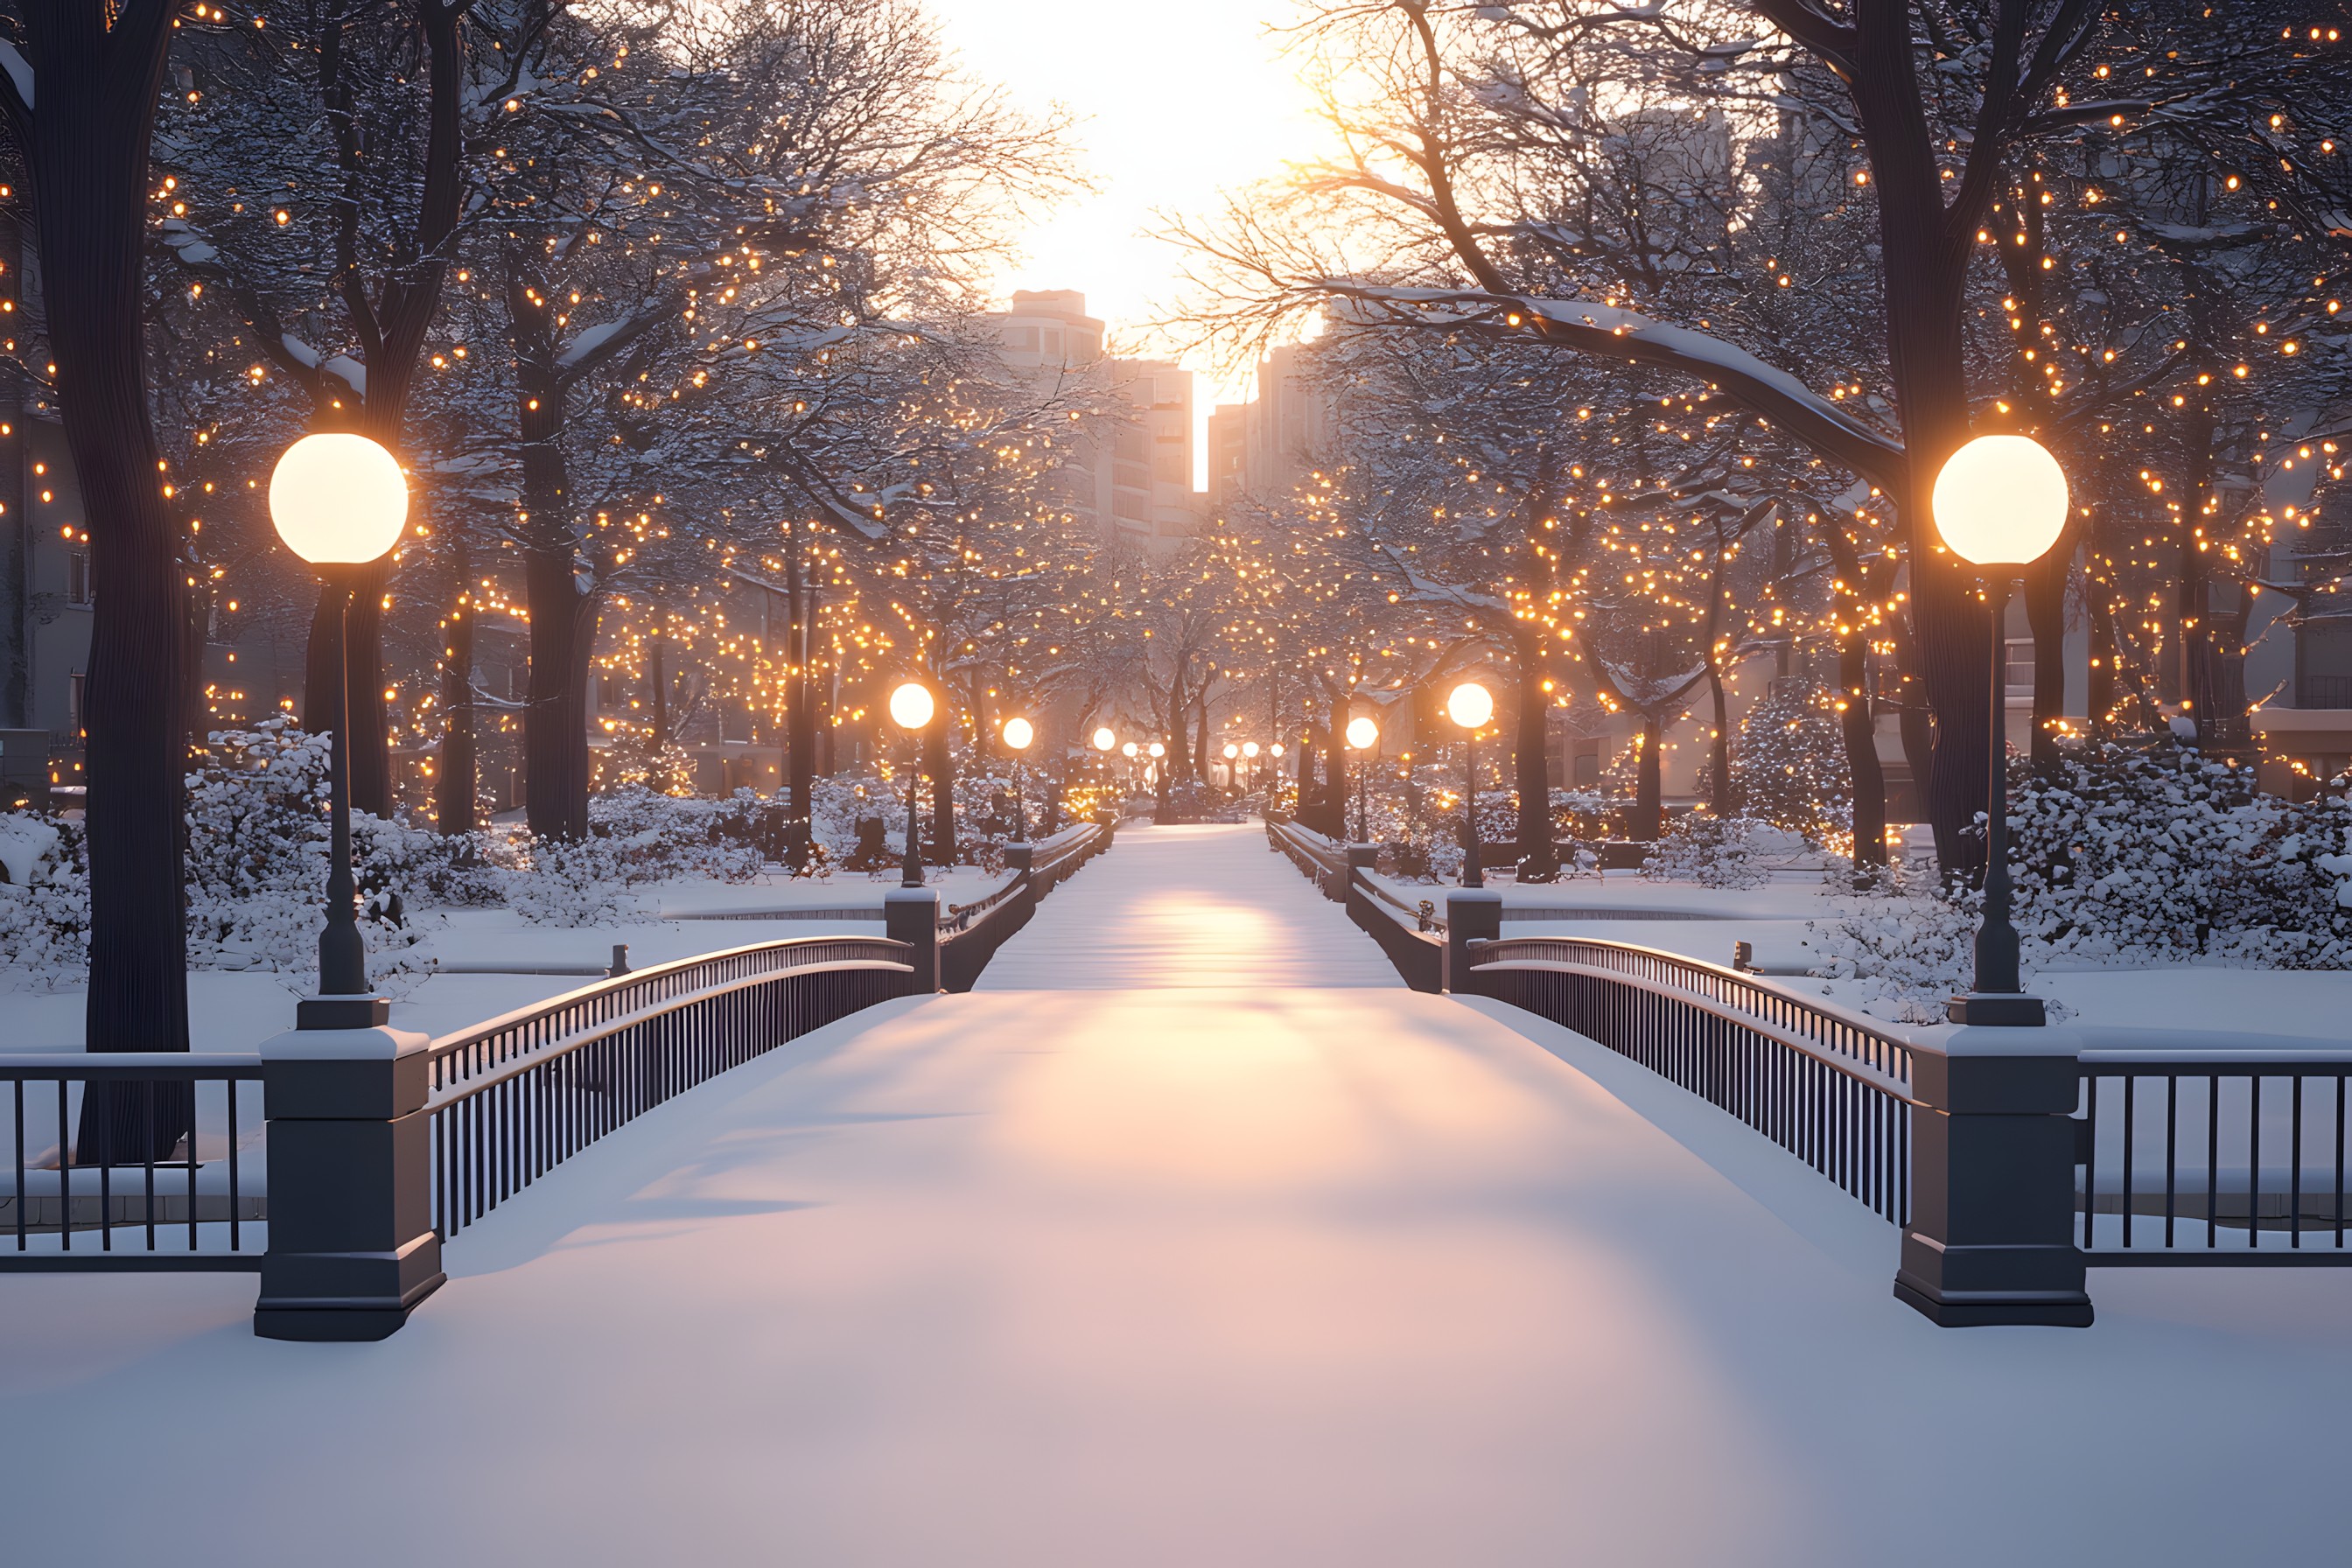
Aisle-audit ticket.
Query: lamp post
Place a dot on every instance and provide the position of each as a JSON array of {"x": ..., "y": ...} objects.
[
  {"x": 912, "y": 707},
  {"x": 1470, "y": 706},
  {"x": 2000, "y": 504},
  {"x": 1104, "y": 740},
  {"x": 339, "y": 502},
  {"x": 1232, "y": 768},
  {"x": 1363, "y": 736},
  {"x": 1018, "y": 732},
  {"x": 1249, "y": 753}
]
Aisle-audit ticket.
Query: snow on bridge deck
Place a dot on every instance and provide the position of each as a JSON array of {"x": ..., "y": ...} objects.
[{"x": 1184, "y": 1275}]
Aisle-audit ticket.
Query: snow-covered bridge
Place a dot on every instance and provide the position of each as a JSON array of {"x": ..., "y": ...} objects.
[{"x": 1189, "y": 1237}]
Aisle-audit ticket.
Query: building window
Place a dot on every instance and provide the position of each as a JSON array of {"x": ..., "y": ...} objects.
[
  {"x": 1053, "y": 342},
  {"x": 2019, "y": 660},
  {"x": 1022, "y": 338},
  {"x": 77, "y": 576}
]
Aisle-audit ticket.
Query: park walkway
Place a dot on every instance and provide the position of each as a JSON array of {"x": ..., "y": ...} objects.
[{"x": 1186, "y": 1272}]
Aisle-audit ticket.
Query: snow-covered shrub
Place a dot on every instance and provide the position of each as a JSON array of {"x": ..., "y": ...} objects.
[
  {"x": 45, "y": 907},
  {"x": 1789, "y": 765},
  {"x": 675, "y": 836},
  {"x": 257, "y": 849},
  {"x": 2152, "y": 856},
  {"x": 576, "y": 883},
  {"x": 2125, "y": 858},
  {"x": 1719, "y": 851}
]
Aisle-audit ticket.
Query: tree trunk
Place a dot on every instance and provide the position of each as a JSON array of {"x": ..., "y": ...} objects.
[
  {"x": 800, "y": 719},
  {"x": 939, "y": 761},
  {"x": 1855, "y": 728},
  {"x": 1722, "y": 799},
  {"x": 658, "y": 689},
  {"x": 87, "y": 156},
  {"x": 1649, "y": 789},
  {"x": 1531, "y": 762},
  {"x": 2045, "y": 613},
  {"x": 458, "y": 790}
]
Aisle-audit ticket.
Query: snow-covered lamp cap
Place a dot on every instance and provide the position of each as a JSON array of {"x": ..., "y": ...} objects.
[
  {"x": 1470, "y": 705},
  {"x": 338, "y": 500},
  {"x": 911, "y": 706},
  {"x": 2000, "y": 501}
]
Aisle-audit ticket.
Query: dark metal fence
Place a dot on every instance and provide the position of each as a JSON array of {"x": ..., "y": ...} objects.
[
  {"x": 2211, "y": 1154},
  {"x": 190, "y": 1200},
  {"x": 1417, "y": 949},
  {"x": 1826, "y": 1088},
  {"x": 520, "y": 1094}
]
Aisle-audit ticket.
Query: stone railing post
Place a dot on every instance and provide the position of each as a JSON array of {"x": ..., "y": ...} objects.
[
  {"x": 351, "y": 1245},
  {"x": 911, "y": 915},
  {"x": 1021, "y": 859},
  {"x": 1991, "y": 1237},
  {"x": 1470, "y": 916},
  {"x": 1366, "y": 858}
]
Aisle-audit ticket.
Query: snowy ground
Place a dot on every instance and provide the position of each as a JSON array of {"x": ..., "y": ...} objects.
[
  {"x": 1181, "y": 1275},
  {"x": 2316, "y": 1003},
  {"x": 235, "y": 1011}
]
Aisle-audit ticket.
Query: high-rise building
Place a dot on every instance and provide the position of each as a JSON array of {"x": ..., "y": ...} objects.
[{"x": 1152, "y": 476}]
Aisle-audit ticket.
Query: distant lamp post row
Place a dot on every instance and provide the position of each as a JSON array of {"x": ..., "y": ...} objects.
[
  {"x": 912, "y": 707},
  {"x": 1018, "y": 732},
  {"x": 339, "y": 501},
  {"x": 1470, "y": 705},
  {"x": 1364, "y": 734},
  {"x": 2000, "y": 504}
]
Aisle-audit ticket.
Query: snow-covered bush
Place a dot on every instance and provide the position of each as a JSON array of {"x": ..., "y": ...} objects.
[
  {"x": 45, "y": 907},
  {"x": 1719, "y": 851},
  {"x": 675, "y": 836},
  {"x": 257, "y": 854},
  {"x": 2157, "y": 855},
  {"x": 2124, "y": 857},
  {"x": 1789, "y": 765},
  {"x": 586, "y": 882}
]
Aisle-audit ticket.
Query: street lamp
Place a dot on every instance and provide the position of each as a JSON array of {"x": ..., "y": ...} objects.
[
  {"x": 1249, "y": 755},
  {"x": 1470, "y": 706},
  {"x": 1233, "y": 767},
  {"x": 1018, "y": 732},
  {"x": 2000, "y": 504},
  {"x": 912, "y": 707},
  {"x": 1362, "y": 735},
  {"x": 339, "y": 502}
]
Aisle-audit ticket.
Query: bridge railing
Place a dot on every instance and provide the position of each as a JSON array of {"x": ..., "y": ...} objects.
[
  {"x": 136, "y": 1162},
  {"x": 383, "y": 1144},
  {"x": 512, "y": 1098}
]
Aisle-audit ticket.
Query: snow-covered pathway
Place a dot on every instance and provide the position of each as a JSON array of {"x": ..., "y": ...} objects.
[
  {"x": 1185, "y": 907},
  {"x": 1178, "y": 1275}
]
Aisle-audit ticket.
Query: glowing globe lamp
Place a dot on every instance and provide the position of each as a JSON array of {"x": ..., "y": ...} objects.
[
  {"x": 1470, "y": 705},
  {"x": 338, "y": 500},
  {"x": 1249, "y": 749},
  {"x": 1362, "y": 733},
  {"x": 1018, "y": 733},
  {"x": 911, "y": 706},
  {"x": 1104, "y": 740},
  {"x": 1157, "y": 750},
  {"x": 2000, "y": 501}
]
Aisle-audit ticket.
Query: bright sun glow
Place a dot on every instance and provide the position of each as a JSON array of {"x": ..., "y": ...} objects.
[{"x": 1173, "y": 108}]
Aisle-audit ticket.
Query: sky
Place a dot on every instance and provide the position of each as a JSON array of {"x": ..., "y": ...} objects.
[{"x": 1175, "y": 104}]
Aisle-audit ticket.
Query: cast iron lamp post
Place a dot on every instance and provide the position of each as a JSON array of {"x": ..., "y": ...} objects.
[
  {"x": 339, "y": 502},
  {"x": 1232, "y": 768},
  {"x": 1470, "y": 706},
  {"x": 912, "y": 707},
  {"x": 1363, "y": 736},
  {"x": 1249, "y": 753},
  {"x": 1018, "y": 732},
  {"x": 2000, "y": 504}
]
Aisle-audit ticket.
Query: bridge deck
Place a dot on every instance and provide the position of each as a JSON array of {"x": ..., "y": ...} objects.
[{"x": 1183, "y": 1276}]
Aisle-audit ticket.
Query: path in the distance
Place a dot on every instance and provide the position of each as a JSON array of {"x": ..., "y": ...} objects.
[
  {"x": 1261, "y": 1260},
  {"x": 1187, "y": 908}
]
